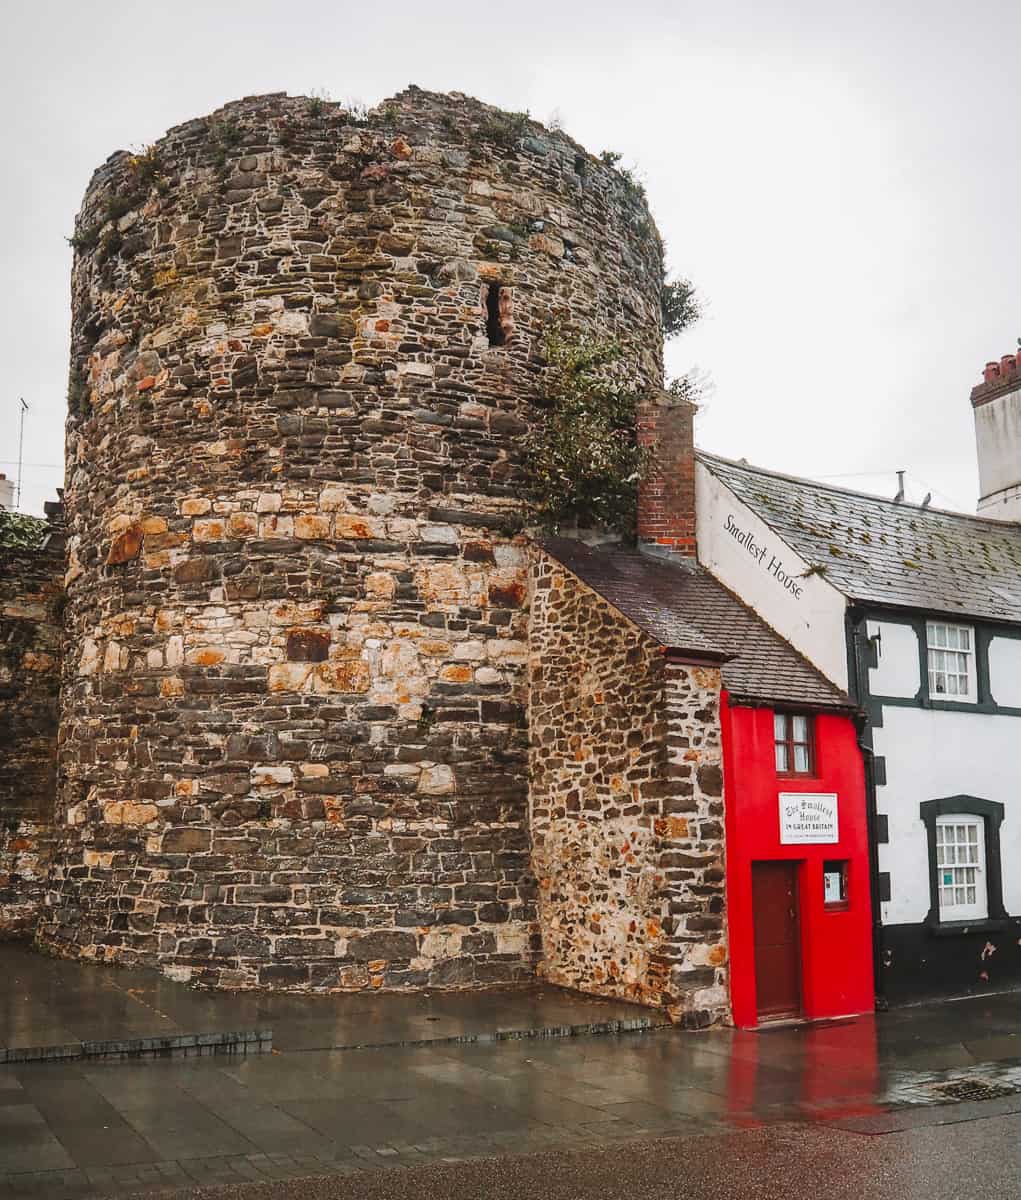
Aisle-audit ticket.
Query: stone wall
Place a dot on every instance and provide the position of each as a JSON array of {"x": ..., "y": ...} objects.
[
  {"x": 293, "y": 743},
  {"x": 31, "y": 593},
  {"x": 626, "y": 807}
]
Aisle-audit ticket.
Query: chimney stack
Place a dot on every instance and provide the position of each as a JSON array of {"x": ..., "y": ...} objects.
[
  {"x": 6, "y": 493},
  {"x": 666, "y": 493},
  {"x": 996, "y": 402}
]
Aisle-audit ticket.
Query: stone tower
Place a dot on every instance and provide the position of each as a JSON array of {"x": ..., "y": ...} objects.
[{"x": 305, "y": 348}]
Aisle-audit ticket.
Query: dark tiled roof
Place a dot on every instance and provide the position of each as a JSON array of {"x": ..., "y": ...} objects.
[
  {"x": 684, "y": 608},
  {"x": 888, "y": 553}
]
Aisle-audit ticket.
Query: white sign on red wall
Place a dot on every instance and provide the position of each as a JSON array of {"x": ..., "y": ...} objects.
[{"x": 808, "y": 817}]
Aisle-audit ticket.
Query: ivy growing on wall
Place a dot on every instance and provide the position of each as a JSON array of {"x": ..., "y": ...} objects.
[
  {"x": 583, "y": 459},
  {"x": 21, "y": 532}
]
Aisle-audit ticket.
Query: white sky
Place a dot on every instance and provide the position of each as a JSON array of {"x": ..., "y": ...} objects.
[{"x": 840, "y": 180}]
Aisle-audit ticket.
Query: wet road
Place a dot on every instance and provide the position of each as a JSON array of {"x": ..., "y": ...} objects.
[{"x": 979, "y": 1159}]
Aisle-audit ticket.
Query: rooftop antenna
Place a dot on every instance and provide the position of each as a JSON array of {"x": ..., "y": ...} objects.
[
  {"x": 21, "y": 448},
  {"x": 900, "y": 488}
]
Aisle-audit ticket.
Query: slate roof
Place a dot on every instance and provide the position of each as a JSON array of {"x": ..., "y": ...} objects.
[
  {"x": 887, "y": 553},
  {"x": 684, "y": 608}
]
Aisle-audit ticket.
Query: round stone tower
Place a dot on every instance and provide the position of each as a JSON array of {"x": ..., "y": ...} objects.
[{"x": 305, "y": 347}]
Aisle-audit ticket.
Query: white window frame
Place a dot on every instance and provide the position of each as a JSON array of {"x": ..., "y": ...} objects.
[
  {"x": 960, "y": 866},
  {"x": 950, "y": 653}
]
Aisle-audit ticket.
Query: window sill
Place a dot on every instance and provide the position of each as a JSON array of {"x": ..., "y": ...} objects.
[
  {"x": 956, "y": 928},
  {"x": 836, "y": 906}
]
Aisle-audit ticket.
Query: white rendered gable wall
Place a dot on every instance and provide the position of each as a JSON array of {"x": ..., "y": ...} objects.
[{"x": 748, "y": 557}]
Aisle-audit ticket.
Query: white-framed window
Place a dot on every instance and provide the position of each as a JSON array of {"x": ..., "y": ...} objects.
[
  {"x": 961, "y": 867},
  {"x": 793, "y": 743},
  {"x": 951, "y": 661}
]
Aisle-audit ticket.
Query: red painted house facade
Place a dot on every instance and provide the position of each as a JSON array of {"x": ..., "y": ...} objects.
[{"x": 799, "y": 911}]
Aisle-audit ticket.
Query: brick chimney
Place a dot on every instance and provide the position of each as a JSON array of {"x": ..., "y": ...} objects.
[
  {"x": 666, "y": 494},
  {"x": 996, "y": 402}
]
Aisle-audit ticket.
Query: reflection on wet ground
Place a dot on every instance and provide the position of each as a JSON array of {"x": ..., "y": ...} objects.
[{"x": 106, "y": 1128}]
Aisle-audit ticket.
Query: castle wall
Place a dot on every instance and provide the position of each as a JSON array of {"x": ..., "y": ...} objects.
[
  {"x": 31, "y": 588},
  {"x": 626, "y": 807},
  {"x": 294, "y": 743}
]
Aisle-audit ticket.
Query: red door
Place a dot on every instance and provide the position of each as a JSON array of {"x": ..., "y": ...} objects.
[{"x": 777, "y": 951}]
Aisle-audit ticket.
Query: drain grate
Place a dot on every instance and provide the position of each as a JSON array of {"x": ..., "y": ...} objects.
[{"x": 972, "y": 1089}]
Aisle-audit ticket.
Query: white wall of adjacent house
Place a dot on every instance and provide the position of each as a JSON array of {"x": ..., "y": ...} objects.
[
  {"x": 747, "y": 556},
  {"x": 1005, "y": 671},
  {"x": 898, "y": 670},
  {"x": 932, "y": 753}
]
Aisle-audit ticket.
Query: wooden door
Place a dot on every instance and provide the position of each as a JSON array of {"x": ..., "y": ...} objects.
[{"x": 777, "y": 948}]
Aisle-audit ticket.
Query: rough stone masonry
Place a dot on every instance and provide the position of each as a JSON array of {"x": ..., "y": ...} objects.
[
  {"x": 626, "y": 806},
  {"x": 31, "y": 620},
  {"x": 305, "y": 348}
]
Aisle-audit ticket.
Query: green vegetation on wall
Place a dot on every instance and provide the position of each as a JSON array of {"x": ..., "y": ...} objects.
[
  {"x": 21, "y": 532},
  {"x": 584, "y": 459}
]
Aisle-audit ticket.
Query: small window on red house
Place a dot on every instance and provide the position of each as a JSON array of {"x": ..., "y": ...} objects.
[
  {"x": 794, "y": 743},
  {"x": 834, "y": 882}
]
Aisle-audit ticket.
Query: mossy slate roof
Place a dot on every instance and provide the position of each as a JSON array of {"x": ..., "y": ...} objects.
[
  {"x": 882, "y": 552},
  {"x": 681, "y": 606}
]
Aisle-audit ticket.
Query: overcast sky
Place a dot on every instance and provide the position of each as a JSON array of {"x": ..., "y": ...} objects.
[{"x": 841, "y": 181}]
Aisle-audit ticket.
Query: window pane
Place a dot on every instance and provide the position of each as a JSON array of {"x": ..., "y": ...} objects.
[
  {"x": 779, "y": 726},
  {"x": 801, "y": 758},
  {"x": 801, "y": 729},
  {"x": 951, "y": 669},
  {"x": 781, "y": 756},
  {"x": 961, "y": 889}
]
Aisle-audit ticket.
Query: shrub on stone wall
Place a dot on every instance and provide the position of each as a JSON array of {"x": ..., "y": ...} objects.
[
  {"x": 681, "y": 307},
  {"x": 21, "y": 532},
  {"x": 584, "y": 458}
]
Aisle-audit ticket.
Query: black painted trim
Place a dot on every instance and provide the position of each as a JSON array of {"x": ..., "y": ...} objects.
[
  {"x": 956, "y": 928},
  {"x": 879, "y": 767},
  {"x": 855, "y": 633},
  {"x": 882, "y": 829},
  {"x": 921, "y": 963},
  {"x": 884, "y": 886},
  {"x": 991, "y": 811}
]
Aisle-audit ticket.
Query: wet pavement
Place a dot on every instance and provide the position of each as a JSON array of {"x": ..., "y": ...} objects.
[
  {"x": 80, "y": 1129},
  {"x": 52, "y": 1004}
]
